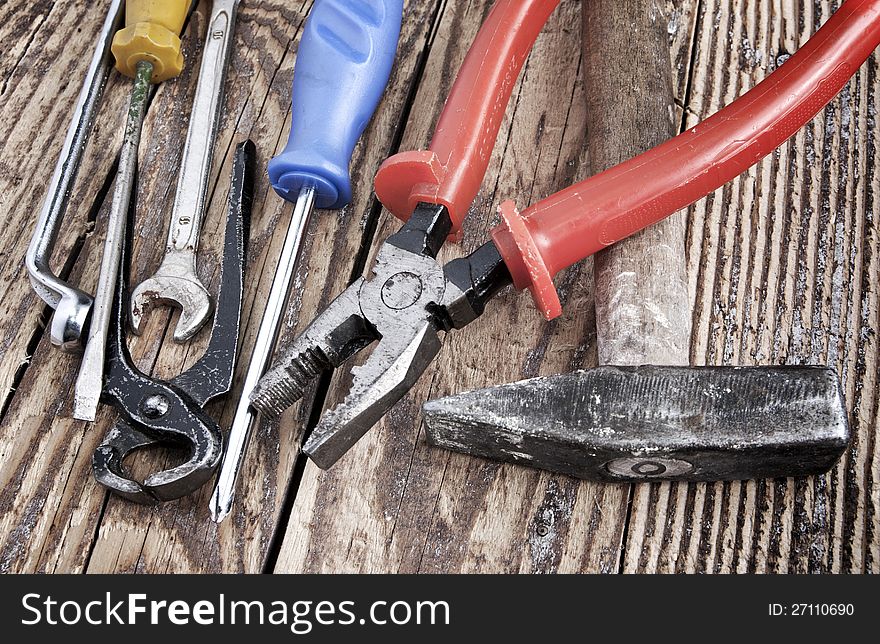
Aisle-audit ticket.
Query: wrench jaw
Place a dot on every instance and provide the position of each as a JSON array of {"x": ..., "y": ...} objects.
[
  {"x": 175, "y": 285},
  {"x": 70, "y": 320},
  {"x": 72, "y": 306}
]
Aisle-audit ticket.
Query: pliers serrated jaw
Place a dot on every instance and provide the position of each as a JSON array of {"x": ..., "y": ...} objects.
[{"x": 398, "y": 308}]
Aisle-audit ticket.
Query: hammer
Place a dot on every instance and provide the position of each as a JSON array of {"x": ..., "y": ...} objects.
[{"x": 650, "y": 416}]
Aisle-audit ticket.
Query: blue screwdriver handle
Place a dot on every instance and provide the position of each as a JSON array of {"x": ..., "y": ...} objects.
[{"x": 342, "y": 67}]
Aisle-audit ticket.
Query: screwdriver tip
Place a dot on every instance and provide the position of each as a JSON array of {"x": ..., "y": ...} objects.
[
  {"x": 84, "y": 412},
  {"x": 219, "y": 508},
  {"x": 89, "y": 383},
  {"x": 85, "y": 405}
]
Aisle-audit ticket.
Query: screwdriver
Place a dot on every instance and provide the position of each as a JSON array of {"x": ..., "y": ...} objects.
[
  {"x": 343, "y": 64},
  {"x": 148, "y": 50}
]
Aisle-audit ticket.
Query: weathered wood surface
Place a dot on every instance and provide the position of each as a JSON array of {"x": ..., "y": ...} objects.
[{"x": 782, "y": 266}]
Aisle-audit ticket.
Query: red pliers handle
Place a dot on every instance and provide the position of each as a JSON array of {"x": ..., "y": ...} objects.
[
  {"x": 450, "y": 172},
  {"x": 584, "y": 218},
  {"x": 410, "y": 301}
]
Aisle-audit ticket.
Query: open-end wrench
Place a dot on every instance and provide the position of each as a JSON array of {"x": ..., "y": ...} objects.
[
  {"x": 72, "y": 306},
  {"x": 176, "y": 282}
]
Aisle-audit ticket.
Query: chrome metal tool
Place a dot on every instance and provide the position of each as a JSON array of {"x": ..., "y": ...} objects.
[
  {"x": 72, "y": 305},
  {"x": 175, "y": 282},
  {"x": 343, "y": 64},
  {"x": 91, "y": 370}
]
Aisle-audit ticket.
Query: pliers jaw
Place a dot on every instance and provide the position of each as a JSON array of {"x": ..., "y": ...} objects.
[
  {"x": 398, "y": 303},
  {"x": 407, "y": 306},
  {"x": 338, "y": 333},
  {"x": 390, "y": 371}
]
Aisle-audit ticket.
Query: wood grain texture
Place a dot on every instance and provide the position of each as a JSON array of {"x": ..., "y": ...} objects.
[
  {"x": 781, "y": 261},
  {"x": 782, "y": 268},
  {"x": 643, "y": 308}
]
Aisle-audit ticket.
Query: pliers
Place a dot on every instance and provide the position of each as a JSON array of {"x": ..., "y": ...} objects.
[
  {"x": 171, "y": 413},
  {"x": 412, "y": 301}
]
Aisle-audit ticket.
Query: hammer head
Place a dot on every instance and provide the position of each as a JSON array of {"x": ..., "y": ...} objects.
[{"x": 654, "y": 423}]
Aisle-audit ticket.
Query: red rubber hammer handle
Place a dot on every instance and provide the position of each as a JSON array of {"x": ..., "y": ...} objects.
[
  {"x": 578, "y": 221},
  {"x": 451, "y": 172}
]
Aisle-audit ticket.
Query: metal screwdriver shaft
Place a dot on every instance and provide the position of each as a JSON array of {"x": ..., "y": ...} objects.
[
  {"x": 343, "y": 63},
  {"x": 90, "y": 379},
  {"x": 148, "y": 50},
  {"x": 242, "y": 422}
]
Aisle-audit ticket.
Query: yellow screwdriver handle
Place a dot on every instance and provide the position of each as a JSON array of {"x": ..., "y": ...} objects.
[{"x": 151, "y": 34}]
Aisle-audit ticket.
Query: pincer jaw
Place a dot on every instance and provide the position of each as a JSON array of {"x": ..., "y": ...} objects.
[{"x": 159, "y": 487}]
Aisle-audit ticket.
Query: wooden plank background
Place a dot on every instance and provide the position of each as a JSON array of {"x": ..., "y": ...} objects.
[{"x": 783, "y": 268}]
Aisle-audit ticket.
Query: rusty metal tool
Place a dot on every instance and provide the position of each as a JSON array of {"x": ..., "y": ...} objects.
[
  {"x": 638, "y": 423},
  {"x": 645, "y": 418},
  {"x": 171, "y": 413},
  {"x": 343, "y": 64},
  {"x": 411, "y": 299},
  {"x": 72, "y": 305},
  {"x": 176, "y": 282},
  {"x": 147, "y": 49}
]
